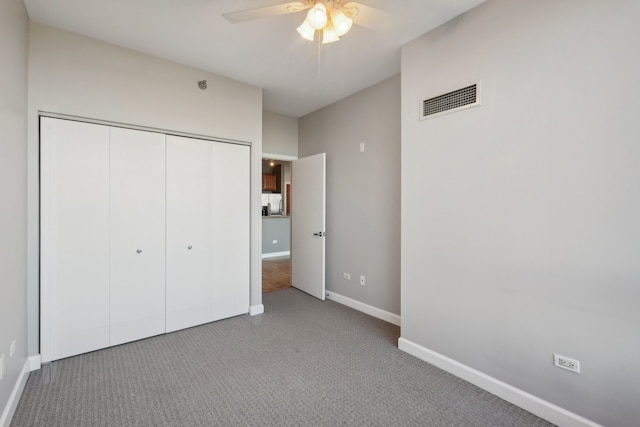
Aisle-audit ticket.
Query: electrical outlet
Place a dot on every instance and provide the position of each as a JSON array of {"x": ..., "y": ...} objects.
[
  {"x": 567, "y": 363},
  {"x": 275, "y": 241},
  {"x": 362, "y": 279},
  {"x": 1, "y": 366},
  {"x": 12, "y": 348},
  {"x": 346, "y": 276}
]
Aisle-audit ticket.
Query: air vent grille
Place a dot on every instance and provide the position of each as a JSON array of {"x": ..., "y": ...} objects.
[{"x": 459, "y": 99}]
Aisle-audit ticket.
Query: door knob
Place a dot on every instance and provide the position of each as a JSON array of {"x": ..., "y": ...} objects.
[
  {"x": 189, "y": 247},
  {"x": 320, "y": 234},
  {"x": 139, "y": 251}
]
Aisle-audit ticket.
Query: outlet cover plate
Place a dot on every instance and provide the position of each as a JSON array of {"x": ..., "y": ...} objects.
[{"x": 567, "y": 363}]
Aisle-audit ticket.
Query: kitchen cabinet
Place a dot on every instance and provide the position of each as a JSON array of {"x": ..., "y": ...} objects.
[
  {"x": 269, "y": 182},
  {"x": 141, "y": 234}
]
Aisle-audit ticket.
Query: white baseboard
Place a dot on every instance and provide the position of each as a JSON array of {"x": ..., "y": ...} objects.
[
  {"x": 276, "y": 254},
  {"x": 14, "y": 398},
  {"x": 35, "y": 362},
  {"x": 365, "y": 308},
  {"x": 256, "y": 309},
  {"x": 529, "y": 402}
]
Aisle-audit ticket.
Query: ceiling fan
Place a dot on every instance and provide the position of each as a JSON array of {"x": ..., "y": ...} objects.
[{"x": 333, "y": 17}]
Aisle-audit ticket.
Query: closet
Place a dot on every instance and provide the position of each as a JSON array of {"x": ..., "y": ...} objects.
[{"x": 142, "y": 233}]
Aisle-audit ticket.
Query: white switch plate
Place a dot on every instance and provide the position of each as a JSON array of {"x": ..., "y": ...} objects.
[
  {"x": 275, "y": 241},
  {"x": 362, "y": 147},
  {"x": 362, "y": 279},
  {"x": 12, "y": 348},
  {"x": 346, "y": 276}
]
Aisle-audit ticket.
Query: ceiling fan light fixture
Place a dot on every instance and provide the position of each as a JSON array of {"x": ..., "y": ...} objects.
[
  {"x": 341, "y": 22},
  {"x": 329, "y": 34},
  {"x": 317, "y": 16},
  {"x": 307, "y": 31}
]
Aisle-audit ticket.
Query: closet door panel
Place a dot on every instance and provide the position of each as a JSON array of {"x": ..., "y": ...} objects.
[
  {"x": 137, "y": 291},
  {"x": 74, "y": 257},
  {"x": 189, "y": 228},
  {"x": 231, "y": 239}
]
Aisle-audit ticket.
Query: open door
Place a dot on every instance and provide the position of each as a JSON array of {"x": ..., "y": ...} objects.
[{"x": 308, "y": 208}]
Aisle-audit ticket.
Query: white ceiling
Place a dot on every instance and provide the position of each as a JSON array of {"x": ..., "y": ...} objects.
[{"x": 298, "y": 76}]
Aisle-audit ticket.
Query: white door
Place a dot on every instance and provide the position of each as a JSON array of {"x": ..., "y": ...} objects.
[
  {"x": 231, "y": 229},
  {"x": 137, "y": 292},
  {"x": 308, "y": 200},
  {"x": 189, "y": 232},
  {"x": 74, "y": 245}
]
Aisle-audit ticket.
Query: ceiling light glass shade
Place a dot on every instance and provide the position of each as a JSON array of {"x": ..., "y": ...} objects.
[
  {"x": 317, "y": 16},
  {"x": 329, "y": 34},
  {"x": 341, "y": 22},
  {"x": 307, "y": 31}
]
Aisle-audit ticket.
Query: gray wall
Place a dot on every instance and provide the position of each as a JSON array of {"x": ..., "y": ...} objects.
[
  {"x": 276, "y": 229},
  {"x": 279, "y": 134},
  {"x": 13, "y": 191},
  {"x": 520, "y": 230},
  {"x": 77, "y": 75},
  {"x": 363, "y": 191}
]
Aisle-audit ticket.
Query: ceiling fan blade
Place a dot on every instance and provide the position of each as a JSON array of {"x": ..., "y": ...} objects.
[
  {"x": 265, "y": 12},
  {"x": 371, "y": 17}
]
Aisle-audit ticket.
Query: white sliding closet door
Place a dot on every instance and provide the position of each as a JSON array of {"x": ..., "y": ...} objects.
[
  {"x": 230, "y": 258},
  {"x": 189, "y": 232},
  {"x": 137, "y": 294},
  {"x": 74, "y": 270},
  {"x": 141, "y": 233}
]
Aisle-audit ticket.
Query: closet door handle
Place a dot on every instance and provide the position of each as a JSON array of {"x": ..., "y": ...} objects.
[
  {"x": 139, "y": 251},
  {"x": 189, "y": 247}
]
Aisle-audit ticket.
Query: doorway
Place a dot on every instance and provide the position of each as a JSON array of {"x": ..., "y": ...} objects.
[
  {"x": 276, "y": 224},
  {"x": 304, "y": 223}
]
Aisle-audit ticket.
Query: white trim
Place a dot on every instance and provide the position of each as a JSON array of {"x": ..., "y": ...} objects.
[
  {"x": 278, "y": 157},
  {"x": 276, "y": 254},
  {"x": 138, "y": 127},
  {"x": 35, "y": 363},
  {"x": 531, "y": 403},
  {"x": 14, "y": 398},
  {"x": 256, "y": 309},
  {"x": 365, "y": 308}
]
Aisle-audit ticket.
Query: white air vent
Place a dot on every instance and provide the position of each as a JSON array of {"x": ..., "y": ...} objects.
[{"x": 456, "y": 100}]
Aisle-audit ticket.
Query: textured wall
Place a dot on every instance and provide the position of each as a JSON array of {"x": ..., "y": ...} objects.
[
  {"x": 363, "y": 191},
  {"x": 520, "y": 231}
]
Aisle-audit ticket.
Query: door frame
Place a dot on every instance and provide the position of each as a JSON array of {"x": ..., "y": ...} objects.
[{"x": 284, "y": 158}]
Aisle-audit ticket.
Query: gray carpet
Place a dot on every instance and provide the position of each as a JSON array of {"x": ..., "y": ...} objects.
[{"x": 303, "y": 362}]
